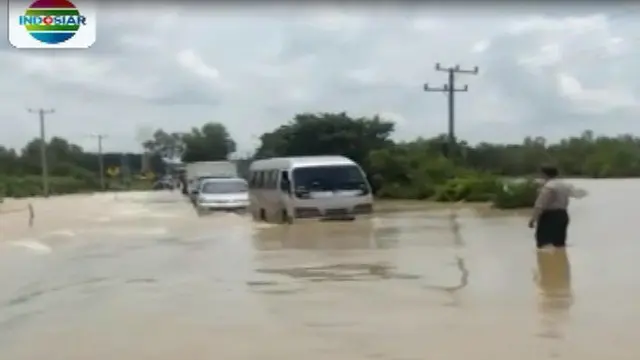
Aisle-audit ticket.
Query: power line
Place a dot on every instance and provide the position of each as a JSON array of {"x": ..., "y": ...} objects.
[
  {"x": 450, "y": 89},
  {"x": 100, "y": 137},
  {"x": 43, "y": 148}
]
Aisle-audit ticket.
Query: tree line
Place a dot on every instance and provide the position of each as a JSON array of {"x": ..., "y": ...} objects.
[{"x": 417, "y": 169}]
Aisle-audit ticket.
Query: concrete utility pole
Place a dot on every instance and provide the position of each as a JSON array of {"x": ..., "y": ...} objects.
[
  {"x": 100, "y": 137},
  {"x": 43, "y": 148},
  {"x": 450, "y": 89}
]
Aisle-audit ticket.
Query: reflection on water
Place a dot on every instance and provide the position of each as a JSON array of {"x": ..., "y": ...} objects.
[
  {"x": 461, "y": 284},
  {"x": 341, "y": 272},
  {"x": 554, "y": 283},
  {"x": 458, "y": 242},
  {"x": 317, "y": 236}
]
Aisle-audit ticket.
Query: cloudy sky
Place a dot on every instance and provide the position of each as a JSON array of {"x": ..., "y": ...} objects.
[{"x": 552, "y": 72}]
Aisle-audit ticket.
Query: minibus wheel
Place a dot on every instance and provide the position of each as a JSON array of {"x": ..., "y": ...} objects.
[
  {"x": 285, "y": 218},
  {"x": 263, "y": 215}
]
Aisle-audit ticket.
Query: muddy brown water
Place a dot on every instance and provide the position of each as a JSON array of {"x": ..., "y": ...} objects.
[{"x": 142, "y": 277}]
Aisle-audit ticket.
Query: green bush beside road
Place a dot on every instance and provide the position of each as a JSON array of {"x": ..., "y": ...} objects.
[
  {"x": 483, "y": 188},
  {"x": 515, "y": 195},
  {"x": 31, "y": 185},
  {"x": 416, "y": 171}
]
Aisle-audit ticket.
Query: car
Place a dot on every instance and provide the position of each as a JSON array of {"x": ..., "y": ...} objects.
[
  {"x": 194, "y": 185},
  {"x": 222, "y": 194}
]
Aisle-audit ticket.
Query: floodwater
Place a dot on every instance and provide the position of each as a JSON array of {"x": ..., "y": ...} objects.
[{"x": 140, "y": 276}]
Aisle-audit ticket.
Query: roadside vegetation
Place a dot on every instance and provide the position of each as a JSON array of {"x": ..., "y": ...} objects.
[{"x": 421, "y": 169}]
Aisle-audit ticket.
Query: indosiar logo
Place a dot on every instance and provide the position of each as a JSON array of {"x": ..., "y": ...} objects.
[{"x": 52, "y": 24}]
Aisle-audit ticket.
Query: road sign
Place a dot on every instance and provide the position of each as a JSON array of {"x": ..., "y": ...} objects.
[{"x": 113, "y": 171}]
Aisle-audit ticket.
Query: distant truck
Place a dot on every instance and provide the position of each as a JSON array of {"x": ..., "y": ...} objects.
[{"x": 197, "y": 171}]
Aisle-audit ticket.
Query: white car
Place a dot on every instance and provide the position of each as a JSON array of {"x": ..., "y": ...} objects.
[{"x": 222, "y": 194}]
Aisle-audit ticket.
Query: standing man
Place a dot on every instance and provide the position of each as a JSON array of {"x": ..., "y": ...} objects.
[{"x": 550, "y": 217}]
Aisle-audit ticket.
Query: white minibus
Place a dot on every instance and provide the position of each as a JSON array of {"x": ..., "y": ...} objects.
[{"x": 310, "y": 187}]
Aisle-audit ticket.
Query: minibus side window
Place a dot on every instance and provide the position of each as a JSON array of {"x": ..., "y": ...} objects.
[
  {"x": 264, "y": 179},
  {"x": 285, "y": 183},
  {"x": 273, "y": 179},
  {"x": 260, "y": 180}
]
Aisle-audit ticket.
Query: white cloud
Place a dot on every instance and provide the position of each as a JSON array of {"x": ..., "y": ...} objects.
[
  {"x": 425, "y": 24},
  {"x": 481, "y": 46},
  {"x": 549, "y": 54},
  {"x": 365, "y": 76},
  {"x": 595, "y": 100},
  {"x": 192, "y": 62},
  {"x": 337, "y": 21},
  {"x": 254, "y": 68},
  {"x": 571, "y": 24},
  {"x": 617, "y": 46},
  {"x": 569, "y": 86},
  {"x": 392, "y": 116}
]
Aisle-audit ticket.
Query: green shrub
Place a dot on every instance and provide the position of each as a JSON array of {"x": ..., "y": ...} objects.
[
  {"x": 140, "y": 185},
  {"x": 472, "y": 189},
  {"x": 412, "y": 171},
  {"x": 515, "y": 195},
  {"x": 419, "y": 191},
  {"x": 28, "y": 186}
]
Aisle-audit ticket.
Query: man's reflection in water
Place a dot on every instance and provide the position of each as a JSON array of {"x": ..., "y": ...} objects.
[{"x": 554, "y": 282}]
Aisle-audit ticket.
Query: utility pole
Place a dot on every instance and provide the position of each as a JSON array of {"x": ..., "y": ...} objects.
[
  {"x": 450, "y": 89},
  {"x": 43, "y": 148},
  {"x": 125, "y": 171},
  {"x": 100, "y": 137}
]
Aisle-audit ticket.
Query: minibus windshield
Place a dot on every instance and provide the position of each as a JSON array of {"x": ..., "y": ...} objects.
[{"x": 329, "y": 178}]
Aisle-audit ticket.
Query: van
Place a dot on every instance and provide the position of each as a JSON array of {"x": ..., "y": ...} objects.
[{"x": 283, "y": 190}]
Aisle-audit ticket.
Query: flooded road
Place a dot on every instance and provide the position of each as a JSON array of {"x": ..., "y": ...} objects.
[{"x": 142, "y": 277}]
